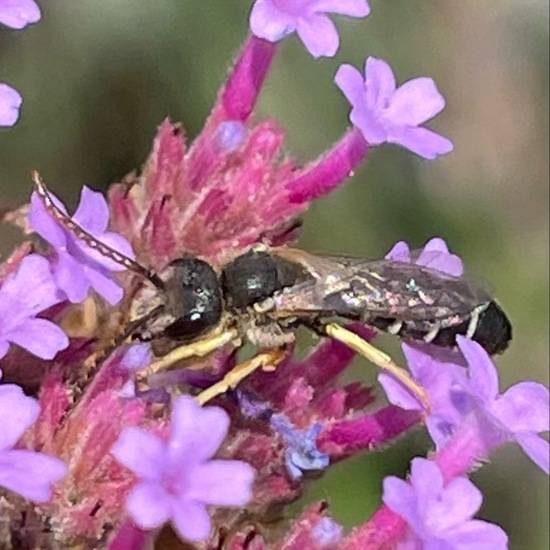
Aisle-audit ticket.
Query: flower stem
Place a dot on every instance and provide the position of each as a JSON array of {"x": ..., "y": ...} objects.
[{"x": 327, "y": 172}]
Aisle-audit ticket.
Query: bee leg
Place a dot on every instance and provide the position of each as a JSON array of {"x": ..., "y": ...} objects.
[
  {"x": 267, "y": 359},
  {"x": 379, "y": 358},
  {"x": 200, "y": 348}
]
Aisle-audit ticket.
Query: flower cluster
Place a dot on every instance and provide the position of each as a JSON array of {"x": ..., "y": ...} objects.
[{"x": 113, "y": 450}]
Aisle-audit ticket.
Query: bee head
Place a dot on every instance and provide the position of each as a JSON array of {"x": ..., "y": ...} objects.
[{"x": 193, "y": 298}]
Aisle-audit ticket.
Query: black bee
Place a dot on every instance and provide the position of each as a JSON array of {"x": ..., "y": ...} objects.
[{"x": 265, "y": 293}]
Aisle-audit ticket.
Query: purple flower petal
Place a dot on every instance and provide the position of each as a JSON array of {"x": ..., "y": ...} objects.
[
  {"x": 415, "y": 102},
  {"x": 401, "y": 498},
  {"x": 92, "y": 211},
  {"x": 455, "y": 505},
  {"x": 350, "y": 81},
  {"x": 351, "y": 8},
  {"x": 140, "y": 451},
  {"x": 191, "y": 521},
  {"x": 28, "y": 291},
  {"x": 40, "y": 337},
  {"x": 68, "y": 276},
  {"x": 17, "y": 14},
  {"x": 426, "y": 479},
  {"x": 17, "y": 413},
  {"x": 105, "y": 286},
  {"x": 30, "y": 474},
  {"x": 222, "y": 482},
  {"x": 536, "y": 448},
  {"x": 421, "y": 141},
  {"x": 399, "y": 253},
  {"x": 379, "y": 83},
  {"x": 319, "y": 35},
  {"x": 398, "y": 394},
  {"x": 197, "y": 430},
  {"x": 10, "y": 104},
  {"x": 477, "y": 534},
  {"x": 436, "y": 255},
  {"x": 43, "y": 223},
  {"x": 523, "y": 407},
  {"x": 483, "y": 374},
  {"x": 269, "y": 23},
  {"x": 148, "y": 505}
]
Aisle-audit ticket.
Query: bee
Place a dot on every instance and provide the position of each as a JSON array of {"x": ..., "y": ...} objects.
[{"x": 263, "y": 294}]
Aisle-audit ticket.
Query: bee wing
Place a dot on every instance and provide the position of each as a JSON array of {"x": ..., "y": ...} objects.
[{"x": 360, "y": 289}]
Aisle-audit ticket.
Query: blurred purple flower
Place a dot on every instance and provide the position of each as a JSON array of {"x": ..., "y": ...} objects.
[
  {"x": 434, "y": 255},
  {"x": 275, "y": 19},
  {"x": 178, "y": 478},
  {"x": 10, "y": 103},
  {"x": 301, "y": 453},
  {"x": 78, "y": 267},
  {"x": 385, "y": 113},
  {"x": 27, "y": 473},
  {"x": 24, "y": 294},
  {"x": 440, "y": 516},
  {"x": 17, "y": 14}
]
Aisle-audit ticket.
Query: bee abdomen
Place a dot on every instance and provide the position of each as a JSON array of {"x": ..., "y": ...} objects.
[{"x": 487, "y": 324}]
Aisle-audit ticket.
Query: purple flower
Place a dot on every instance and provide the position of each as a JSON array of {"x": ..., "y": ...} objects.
[
  {"x": 434, "y": 255},
  {"x": 24, "y": 294},
  {"x": 78, "y": 267},
  {"x": 385, "y": 113},
  {"x": 301, "y": 453},
  {"x": 440, "y": 516},
  {"x": 275, "y": 19},
  {"x": 178, "y": 478},
  {"x": 10, "y": 103},
  {"x": 459, "y": 395},
  {"x": 27, "y": 473},
  {"x": 17, "y": 14},
  {"x": 521, "y": 411}
]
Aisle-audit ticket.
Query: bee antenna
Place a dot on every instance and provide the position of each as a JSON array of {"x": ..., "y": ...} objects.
[{"x": 90, "y": 240}]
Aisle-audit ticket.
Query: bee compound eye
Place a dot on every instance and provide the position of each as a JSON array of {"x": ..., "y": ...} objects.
[{"x": 193, "y": 297}]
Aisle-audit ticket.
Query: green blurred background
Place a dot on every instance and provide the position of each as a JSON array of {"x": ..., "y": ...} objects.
[{"x": 98, "y": 77}]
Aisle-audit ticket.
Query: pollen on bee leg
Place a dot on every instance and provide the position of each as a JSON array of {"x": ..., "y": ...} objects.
[
  {"x": 379, "y": 358},
  {"x": 200, "y": 348},
  {"x": 267, "y": 360}
]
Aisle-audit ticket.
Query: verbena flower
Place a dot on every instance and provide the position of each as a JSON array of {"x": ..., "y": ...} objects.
[
  {"x": 178, "y": 478},
  {"x": 25, "y": 472},
  {"x": 521, "y": 412},
  {"x": 275, "y": 19},
  {"x": 387, "y": 113},
  {"x": 463, "y": 396},
  {"x": 434, "y": 255},
  {"x": 25, "y": 294},
  {"x": 77, "y": 267},
  {"x": 17, "y": 14},
  {"x": 440, "y": 515}
]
